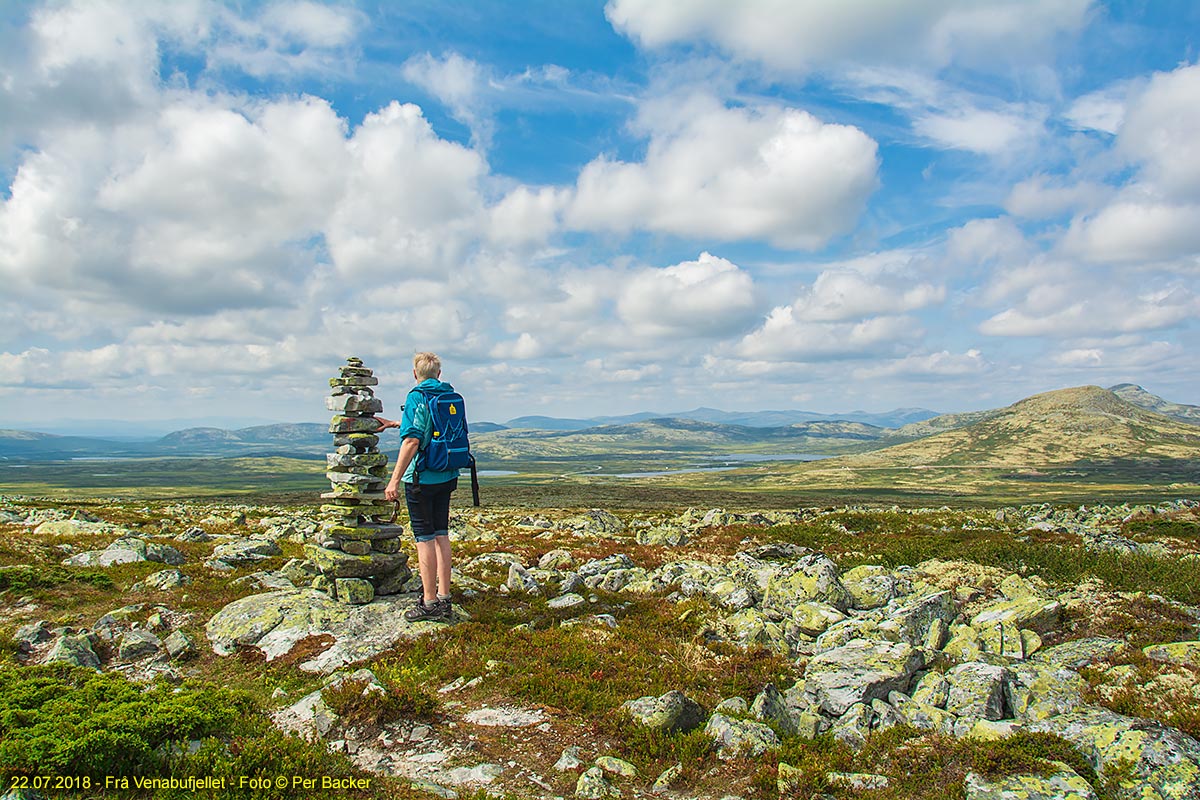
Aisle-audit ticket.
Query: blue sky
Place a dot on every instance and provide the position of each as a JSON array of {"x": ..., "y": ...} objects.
[{"x": 595, "y": 208}]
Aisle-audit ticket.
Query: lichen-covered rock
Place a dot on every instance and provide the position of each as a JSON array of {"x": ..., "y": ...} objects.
[
  {"x": 596, "y": 522},
  {"x": 662, "y": 536},
  {"x": 568, "y": 600},
  {"x": 1040, "y": 691},
  {"x": 673, "y": 712},
  {"x": 605, "y": 565},
  {"x": 853, "y": 727},
  {"x": 991, "y": 730},
  {"x": 663, "y": 783},
  {"x": 933, "y": 689},
  {"x": 842, "y": 633},
  {"x": 909, "y": 619},
  {"x": 1165, "y": 761},
  {"x": 137, "y": 644},
  {"x": 162, "y": 581},
  {"x": 812, "y": 577},
  {"x": 771, "y": 706},
  {"x": 179, "y": 645},
  {"x": 921, "y": 715},
  {"x": 739, "y": 737},
  {"x": 108, "y": 557},
  {"x": 1078, "y": 653},
  {"x": 74, "y": 649},
  {"x": 860, "y": 671},
  {"x": 749, "y": 628},
  {"x": 274, "y": 622},
  {"x": 979, "y": 691},
  {"x": 520, "y": 581},
  {"x": 1036, "y": 613},
  {"x": 557, "y": 559},
  {"x": 245, "y": 551},
  {"x": 335, "y": 564},
  {"x": 593, "y": 785},
  {"x": 1183, "y": 654},
  {"x": 354, "y": 591},
  {"x": 813, "y": 619},
  {"x": 871, "y": 586},
  {"x": 1062, "y": 784},
  {"x": 1003, "y": 639},
  {"x": 617, "y": 766}
]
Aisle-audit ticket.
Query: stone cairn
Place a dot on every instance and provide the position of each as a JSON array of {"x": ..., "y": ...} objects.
[{"x": 357, "y": 551}]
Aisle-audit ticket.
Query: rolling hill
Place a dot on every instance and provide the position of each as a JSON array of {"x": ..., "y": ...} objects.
[{"x": 1063, "y": 427}]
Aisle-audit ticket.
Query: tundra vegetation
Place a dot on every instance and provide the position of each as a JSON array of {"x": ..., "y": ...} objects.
[{"x": 572, "y": 622}]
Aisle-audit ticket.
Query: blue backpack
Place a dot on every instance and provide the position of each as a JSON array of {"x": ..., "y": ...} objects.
[{"x": 449, "y": 447}]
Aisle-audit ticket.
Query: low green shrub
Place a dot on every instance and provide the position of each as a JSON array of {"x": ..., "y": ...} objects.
[
  {"x": 68, "y": 720},
  {"x": 652, "y": 751},
  {"x": 23, "y": 578},
  {"x": 59, "y": 720},
  {"x": 1162, "y": 528},
  {"x": 359, "y": 706}
]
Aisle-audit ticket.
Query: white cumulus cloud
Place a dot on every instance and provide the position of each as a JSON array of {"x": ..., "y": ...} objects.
[
  {"x": 819, "y": 34},
  {"x": 771, "y": 173},
  {"x": 706, "y": 297}
]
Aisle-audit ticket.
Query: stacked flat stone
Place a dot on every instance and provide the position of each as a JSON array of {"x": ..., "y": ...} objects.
[{"x": 356, "y": 554}]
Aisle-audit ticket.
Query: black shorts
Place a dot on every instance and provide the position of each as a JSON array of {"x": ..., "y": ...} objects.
[{"x": 429, "y": 508}]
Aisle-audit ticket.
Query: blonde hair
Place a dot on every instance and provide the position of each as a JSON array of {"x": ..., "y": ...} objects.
[{"x": 427, "y": 365}]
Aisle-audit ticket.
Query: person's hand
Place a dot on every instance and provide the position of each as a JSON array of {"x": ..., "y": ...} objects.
[
  {"x": 392, "y": 492},
  {"x": 384, "y": 423}
]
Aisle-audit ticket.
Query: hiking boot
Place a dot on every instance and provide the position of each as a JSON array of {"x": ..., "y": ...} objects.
[
  {"x": 421, "y": 612},
  {"x": 445, "y": 609}
]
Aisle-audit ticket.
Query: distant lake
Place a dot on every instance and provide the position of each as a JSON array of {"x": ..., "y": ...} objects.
[
  {"x": 497, "y": 472},
  {"x": 665, "y": 472},
  {"x": 769, "y": 457},
  {"x": 724, "y": 460}
]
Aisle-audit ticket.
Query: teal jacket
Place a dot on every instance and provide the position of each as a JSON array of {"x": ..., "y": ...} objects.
[{"x": 416, "y": 424}]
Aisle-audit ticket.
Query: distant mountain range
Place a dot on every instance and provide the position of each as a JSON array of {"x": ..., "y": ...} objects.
[
  {"x": 691, "y": 430},
  {"x": 748, "y": 419}
]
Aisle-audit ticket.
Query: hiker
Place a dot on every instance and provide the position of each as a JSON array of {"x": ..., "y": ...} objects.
[{"x": 426, "y": 491}]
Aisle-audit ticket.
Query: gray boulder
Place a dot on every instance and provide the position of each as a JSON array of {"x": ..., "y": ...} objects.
[
  {"x": 910, "y": 620},
  {"x": 673, "y": 712},
  {"x": 771, "y": 706},
  {"x": 1165, "y": 761},
  {"x": 245, "y": 551},
  {"x": 179, "y": 645},
  {"x": 139, "y": 643},
  {"x": 979, "y": 691},
  {"x": 740, "y": 737},
  {"x": 812, "y": 577},
  {"x": 860, "y": 671},
  {"x": 1063, "y": 783},
  {"x": 594, "y": 785},
  {"x": 161, "y": 581},
  {"x": 74, "y": 649}
]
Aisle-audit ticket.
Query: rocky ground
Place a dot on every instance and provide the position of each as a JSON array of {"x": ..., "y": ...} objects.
[{"x": 946, "y": 649}]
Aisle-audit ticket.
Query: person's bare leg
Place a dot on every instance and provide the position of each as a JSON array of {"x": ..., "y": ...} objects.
[
  {"x": 427, "y": 564},
  {"x": 443, "y": 566}
]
